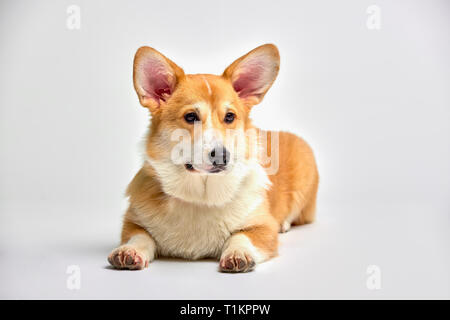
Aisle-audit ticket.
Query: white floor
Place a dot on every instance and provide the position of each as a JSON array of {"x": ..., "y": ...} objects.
[{"x": 328, "y": 259}]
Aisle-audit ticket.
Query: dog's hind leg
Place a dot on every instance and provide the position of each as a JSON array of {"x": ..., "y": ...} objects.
[{"x": 308, "y": 212}]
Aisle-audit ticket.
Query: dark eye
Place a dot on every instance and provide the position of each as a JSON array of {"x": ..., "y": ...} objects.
[
  {"x": 229, "y": 117},
  {"x": 191, "y": 117}
]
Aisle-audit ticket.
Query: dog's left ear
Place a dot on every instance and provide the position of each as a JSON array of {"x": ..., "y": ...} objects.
[
  {"x": 155, "y": 78},
  {"x": 254, "y": 73}
]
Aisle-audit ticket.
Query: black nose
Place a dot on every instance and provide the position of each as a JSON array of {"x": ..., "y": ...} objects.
[{"x": 219, "y": 157}]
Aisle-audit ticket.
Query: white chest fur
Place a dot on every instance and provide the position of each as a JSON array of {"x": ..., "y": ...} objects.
[{"x": 194, "y": 231}]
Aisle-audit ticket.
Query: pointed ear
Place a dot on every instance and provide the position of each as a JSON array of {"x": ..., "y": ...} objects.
[
  {"x": 253, "y": 74},
  {"x": 155, "y": 77}
]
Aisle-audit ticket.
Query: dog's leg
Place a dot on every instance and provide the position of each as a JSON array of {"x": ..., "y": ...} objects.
[
  {"x": 245, "y": 249},
  {"x": 137, "y": 248}
]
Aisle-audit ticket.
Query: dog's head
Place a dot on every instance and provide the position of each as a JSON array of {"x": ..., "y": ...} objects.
[{"x": 201, "y": 143}]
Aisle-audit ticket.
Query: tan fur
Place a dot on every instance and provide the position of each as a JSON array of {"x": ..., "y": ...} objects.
[
  {"x": 236, "y": 217},
  {"x": 294, "y": 186}
]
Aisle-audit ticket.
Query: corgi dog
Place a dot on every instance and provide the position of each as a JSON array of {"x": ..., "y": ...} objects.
[{"x": 212, "y": 185}]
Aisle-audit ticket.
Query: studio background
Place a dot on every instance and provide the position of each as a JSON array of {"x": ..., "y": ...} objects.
[{"x": 373, "y": 103}]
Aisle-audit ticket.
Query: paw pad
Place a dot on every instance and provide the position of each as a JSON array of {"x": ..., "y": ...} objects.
[
  {"x": 127, "y": 258},
  {"x": 237, "y": 262}
]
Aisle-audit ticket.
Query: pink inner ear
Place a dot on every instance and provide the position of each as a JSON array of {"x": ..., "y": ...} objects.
[
  {"x": 250, "y": 80},
  {"x": 157, "y": 80}
]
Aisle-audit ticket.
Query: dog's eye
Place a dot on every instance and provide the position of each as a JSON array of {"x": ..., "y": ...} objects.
[
  {"x": 191, "y": 117},
  {"x": 229, "y": 117}
]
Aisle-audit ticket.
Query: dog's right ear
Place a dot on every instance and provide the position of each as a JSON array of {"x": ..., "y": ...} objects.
[{"x": 155, "y": 78}]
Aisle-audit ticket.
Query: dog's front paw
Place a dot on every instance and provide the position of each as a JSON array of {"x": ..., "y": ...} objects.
[
  {"x": 127, "y": 257},
  {"x": 237, "y": 261}
]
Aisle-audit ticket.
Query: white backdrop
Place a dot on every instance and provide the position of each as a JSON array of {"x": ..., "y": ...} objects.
[{"x": 373, "y": 103}]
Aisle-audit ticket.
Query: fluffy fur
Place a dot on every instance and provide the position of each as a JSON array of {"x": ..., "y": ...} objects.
[{"x": 235, "y": 215}]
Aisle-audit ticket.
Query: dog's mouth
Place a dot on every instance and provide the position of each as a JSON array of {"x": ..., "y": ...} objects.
[{"x": 206, "y": 169}]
